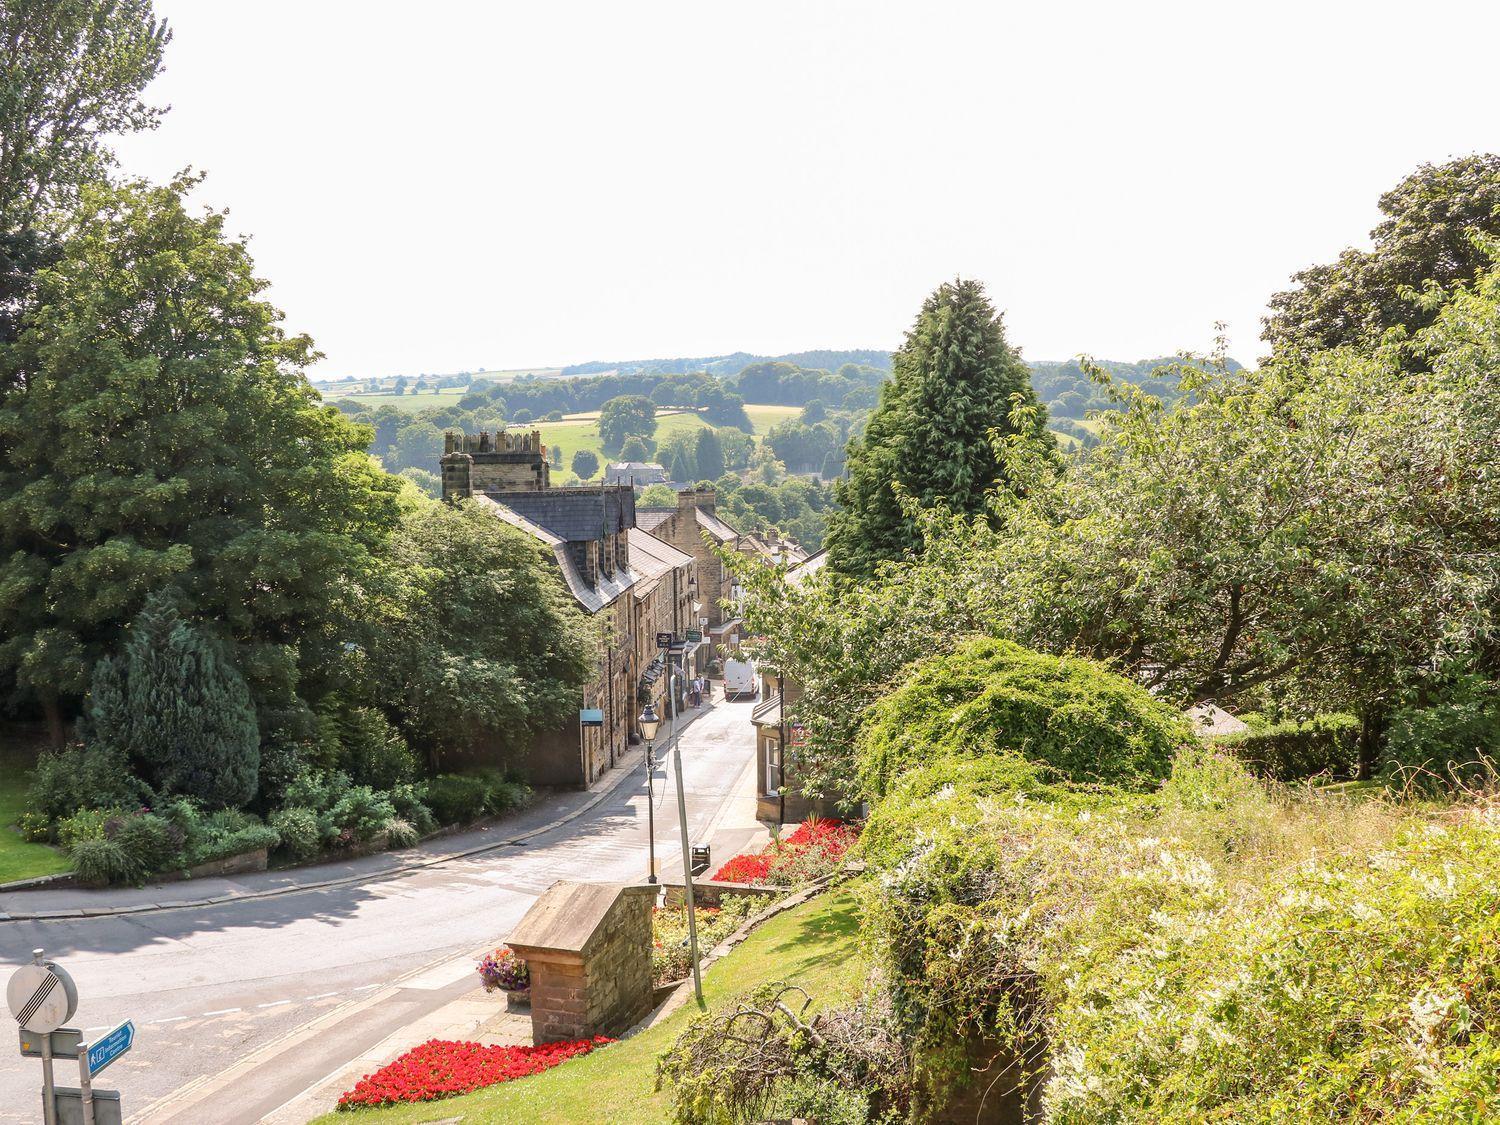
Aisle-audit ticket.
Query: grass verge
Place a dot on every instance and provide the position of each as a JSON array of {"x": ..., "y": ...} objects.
[
  {"x": 18, "y": 859},
  {"x": 814, "y": 945}
]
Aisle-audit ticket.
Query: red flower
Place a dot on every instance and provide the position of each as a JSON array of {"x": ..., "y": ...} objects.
[
  {"x": 831, "y": 838},
  {"x": 441, "y": 1068}
]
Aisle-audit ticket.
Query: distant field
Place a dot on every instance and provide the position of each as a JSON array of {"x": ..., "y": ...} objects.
[
  {"x": 582, "y": 432},
  {"x": 764, "y": 416},
  {"x": 409, "y": 402}
]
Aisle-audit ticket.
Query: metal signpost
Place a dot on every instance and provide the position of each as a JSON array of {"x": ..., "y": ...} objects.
[
  {"x": 665, "y": 641},
  {"x": 42, "y": 997}
]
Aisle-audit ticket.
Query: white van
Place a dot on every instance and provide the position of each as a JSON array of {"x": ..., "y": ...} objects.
[{"x": 739, "y": 678}]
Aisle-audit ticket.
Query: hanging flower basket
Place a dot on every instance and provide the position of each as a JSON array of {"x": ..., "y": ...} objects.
[{"x": 504, "y": 971}]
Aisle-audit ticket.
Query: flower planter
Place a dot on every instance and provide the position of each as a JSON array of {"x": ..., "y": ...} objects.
[{"x": 517, "y": 999}]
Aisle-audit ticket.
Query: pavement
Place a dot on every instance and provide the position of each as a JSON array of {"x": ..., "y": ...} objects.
[{"x": 292, "y": 980}]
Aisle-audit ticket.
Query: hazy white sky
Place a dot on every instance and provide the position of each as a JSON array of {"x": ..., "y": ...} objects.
[{"x": 452, "y": 185}]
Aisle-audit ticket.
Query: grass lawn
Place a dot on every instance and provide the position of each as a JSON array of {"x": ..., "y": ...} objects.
[
  {"x": 582, "y": 432},
  {"x": 18, "y": 859},
  {"x": 813, "y": 946},
  {"x": 410, "y": 402},
  {"x": 763, "y": 416}
]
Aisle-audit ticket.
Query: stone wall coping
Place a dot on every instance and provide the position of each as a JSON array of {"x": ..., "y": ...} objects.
[{"x": 568, "y": 916}]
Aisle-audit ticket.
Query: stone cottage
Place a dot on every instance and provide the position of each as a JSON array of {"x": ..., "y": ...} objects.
[{"x": 592, "y": 534}]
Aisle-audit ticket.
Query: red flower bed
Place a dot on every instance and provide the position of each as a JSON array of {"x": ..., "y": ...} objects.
[
  {"x": 746, "y": 869},
  {"x": 441, "y": 1068},
  {"x": 817, "y": 845}
]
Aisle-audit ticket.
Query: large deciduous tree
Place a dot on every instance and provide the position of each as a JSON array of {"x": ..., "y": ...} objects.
[
  {"x": 625, "y": 417},
  {"x": 957, "y": 381},
  {"x": 71, "y": 73},
  {"x": 1427, "y": 236},
  {"x": 471, "y": 629},
  {"x": 158, "y": 430}
]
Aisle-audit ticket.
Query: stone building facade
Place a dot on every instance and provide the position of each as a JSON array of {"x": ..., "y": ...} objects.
[
  {"x": 695, "y": 528},
  {"x": 503, "y": 462},
  {"x": 617, "y": 573}
]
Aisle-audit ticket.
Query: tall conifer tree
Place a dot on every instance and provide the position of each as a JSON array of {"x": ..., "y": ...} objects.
[
  {"x": 955, "y": 380},
  {"x": 193, "y": 727}
]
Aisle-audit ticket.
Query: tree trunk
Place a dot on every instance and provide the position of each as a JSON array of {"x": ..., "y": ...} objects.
[
  {"x": 56, "y": 733},
  {"x": 1371, "y": 734}
]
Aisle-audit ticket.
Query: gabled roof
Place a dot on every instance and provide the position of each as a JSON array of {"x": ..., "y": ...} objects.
[
  {"x": 715, "y": 526},
  {"x": 591, "y": 598},
  {"x": 649, "y": 519},
  {"x": 652, "y": 558},
  {"x": 807, "y": 567}
]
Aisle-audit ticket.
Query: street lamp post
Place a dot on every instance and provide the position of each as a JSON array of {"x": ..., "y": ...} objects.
[
  {"x": 650, "y": 721},
  {"x": 687, "y": 859}
]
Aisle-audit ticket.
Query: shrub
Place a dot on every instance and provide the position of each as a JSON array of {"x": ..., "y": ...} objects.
[
  {"x": 150, "y": 843},
  {"x": 410, "y": 803},
  {"x": 85, "y": 824},
  {"x": 455, "y": 799},
  {"x": 318, "y": 790},
  {"x": 298, "y": 831},
  {"x": 400, "y": 833},
  {"x": 1453, "y": 743},
  {"x": 33, "y": 827},
  {"x": 361, "y": 813},
  {"x": 100, "y": 862},
  {"x": 78, "y": 777},
  {"x": 373, "y": 752},
  {"x": 1082, "y": 723},
  {"x": 502, "y": 792},
  {"x": 1291, "y": 751}
]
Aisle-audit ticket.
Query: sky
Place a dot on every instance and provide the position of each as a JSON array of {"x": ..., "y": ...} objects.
[{"x": 463, "y": 185}]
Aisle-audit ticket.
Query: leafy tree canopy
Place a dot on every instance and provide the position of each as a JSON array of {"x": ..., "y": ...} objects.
[
  {"x": 469, "y": 626},
  {"x": 956, "y": 382},
  {"x": 158, "y": 430},
  {"x": 585, "y": 463},
  {"x": 1427, "y": 236},
  {"x": 625, "y": 417}
]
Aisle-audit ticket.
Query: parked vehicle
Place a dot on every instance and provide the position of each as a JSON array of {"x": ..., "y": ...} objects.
[{"x": 739, "y": 679}]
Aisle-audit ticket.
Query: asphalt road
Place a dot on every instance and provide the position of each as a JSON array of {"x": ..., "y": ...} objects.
[{"x": 208, "y": 986}]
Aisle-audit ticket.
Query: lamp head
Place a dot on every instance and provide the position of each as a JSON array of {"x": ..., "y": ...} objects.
[{"x": 650, "y": 721}]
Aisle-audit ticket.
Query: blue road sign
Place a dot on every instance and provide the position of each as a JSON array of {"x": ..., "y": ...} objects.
[
  {"x": 591, "y": 717},
  {"x": 104, "y": 1051}
]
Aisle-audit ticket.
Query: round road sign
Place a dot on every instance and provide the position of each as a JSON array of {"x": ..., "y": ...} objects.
[{"x": 42, "y": 997}]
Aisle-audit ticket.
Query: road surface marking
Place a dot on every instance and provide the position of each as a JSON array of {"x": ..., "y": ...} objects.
[{"x": 221, "y": 1012}]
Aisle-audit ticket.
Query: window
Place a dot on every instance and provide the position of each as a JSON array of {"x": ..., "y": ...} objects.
[{"x": 773, "y": 767}]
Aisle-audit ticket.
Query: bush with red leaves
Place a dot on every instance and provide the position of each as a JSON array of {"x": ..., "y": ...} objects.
[
  {"x": 441, "y": 1068},
  {"x": 815, "y": 848}
]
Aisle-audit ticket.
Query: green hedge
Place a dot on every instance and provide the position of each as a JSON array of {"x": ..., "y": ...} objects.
[
  {"x": 1082, "y": 723},
  {"x": 1291, "y": 751}
]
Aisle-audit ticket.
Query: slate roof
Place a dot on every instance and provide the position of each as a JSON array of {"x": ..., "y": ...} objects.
[
  {"x": 807, "y": 567},
  {"x": 576, "y": 515},
  {"x": 649, "y": 519},
  {"x": 591, "y": 598},
  {"x": 650, "y": 557},
  {"x": 715, "y": 526}
]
